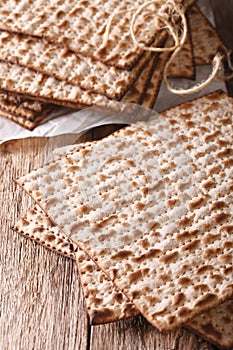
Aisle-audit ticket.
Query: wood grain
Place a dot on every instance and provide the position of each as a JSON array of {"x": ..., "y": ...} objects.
[{"x": 41, "y": 303}]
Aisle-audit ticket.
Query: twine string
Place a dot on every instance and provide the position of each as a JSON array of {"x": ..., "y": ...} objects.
[
  {"x": 229, "y": 61},
  {"x": 179, "y": 40},
  {"x": 168, "y": 24},
  {"x": 228, "y": 76},
  {"x": 216, "y": 65}
]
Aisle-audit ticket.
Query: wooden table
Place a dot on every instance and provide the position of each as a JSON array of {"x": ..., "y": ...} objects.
[{"x": 41, "y": 301}]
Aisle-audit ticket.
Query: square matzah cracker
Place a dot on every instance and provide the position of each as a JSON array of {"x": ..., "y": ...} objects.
[
  {"x": 21, "y": 80},
  {"x": 216, "y": 325},
  {"x": 183, "y": 65},
  {"x": 51, "y": 59},
  {"x": 167, "y": 242},
  {"x": 80, "y": 25},
  {"x": 17, "y": 79},
  {"x": 104, "y": 302},
  {"x": 153, "y": 87},
  {"x": 21, "y": 107},
  {"x": 18, "y": 100},
  {"x": 29, "y": 124},
  {"x": 206, "y": 42}
]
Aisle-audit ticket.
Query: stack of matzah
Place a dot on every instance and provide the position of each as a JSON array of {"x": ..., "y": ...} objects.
[
  {"x": 148, "y": 208},
  {"x": 55, "y": 53}
]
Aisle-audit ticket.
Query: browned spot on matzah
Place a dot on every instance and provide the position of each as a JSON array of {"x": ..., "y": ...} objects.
[
  {"x": 207, "y": 299},
  {"x": 97, "y": 316},
  {"x": 218, "y": 205},
  {"x": 226, "y": 258},
  {"x": 183, "y": 311},
  {"x": 50, "y": 237},
  {"x": 144, "y": 243},
  {"x": 137, "y": 275},
  {"x": 139, "y": 206},
  {"x": 211, "y": 252},
  {"x": 169, "y": 258},
  {"x": 184, "y": 281},
  {"x": 204, "y": 268},
  {"x": 160, "y": 312},
  {"x": 163, "y": 277},
  {"x": 208, "y": 185},
  {"x": 226, "y": 152},
  {"x": 210, "y": 330},
  {"x": 186, "y": 235},
  {"x": 152, "y": 253},
  {"x": 191, "y": 245},
  {"x": 122, "y": 254},
  {"x": 219, "y": 218},
  {"x": 227, "y": 163},
  {"x": 186, "y": 221},
  {"x": 211, "y": 136},
  {"x": 228, "y": 245},
  {"x": 178, "y": 299},
  {"x": 151, "y": 299},
  {"x": 197, "y": 203}
]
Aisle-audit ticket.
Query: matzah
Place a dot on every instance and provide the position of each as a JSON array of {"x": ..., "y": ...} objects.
[
  {"x": 51, "y": 59},
  {"x": 216, "y": 325},
  {"x": 137, "y": 91},
  {"x": 30, "y": 104},
  {"x": 29, "y": 124},
  {"x": 17, "y": 79},
  {"x": 206, "y": 42},
  {"x": 80, "y": 25},
  {"x": 23, "y": 108},
  {"x": 154, "y": 84},
  {"x": 104, "y": 302},
  {"x": 187, "y": 276},
  {"x": 183, "y": 65}
]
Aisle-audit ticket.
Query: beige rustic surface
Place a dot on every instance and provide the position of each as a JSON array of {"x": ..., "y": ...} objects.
[{"x": 41, "y": 303}]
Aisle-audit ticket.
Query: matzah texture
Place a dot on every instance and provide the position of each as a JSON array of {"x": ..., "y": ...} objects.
[
  {"x": 104, "y": 302},
  {"x": 38, "y": 227},
  {"x": 172, "y": 264},
  {"x": 206, "y": 42},
  {"x": 29, "y": 124},
  {"x": 80, "y": 25},
  {"x": 183, "y": 65},
  {"x": 63, "y": 64},
  {"x": 32, "y": 105},
  {"x": 136, "y": 92},
  {"x": 216, "y": 325},
  {"x": 21, "y": 107},
  {"x": 153, "y": 87},
  {"x": 17, "y": 79}
]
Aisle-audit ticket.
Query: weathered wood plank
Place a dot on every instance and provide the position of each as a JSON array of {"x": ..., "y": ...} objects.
[
  {"x": 41, "y": 303},
  {"x": 138, "y": 334}
]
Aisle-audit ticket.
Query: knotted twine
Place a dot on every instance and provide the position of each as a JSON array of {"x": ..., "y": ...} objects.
[{"x": 179, "y": 40}]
